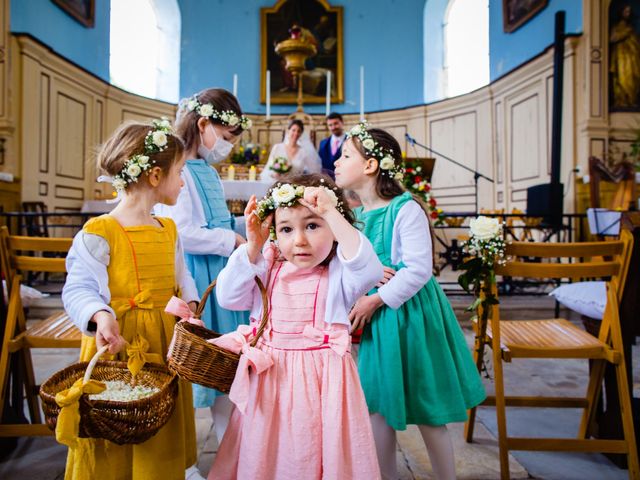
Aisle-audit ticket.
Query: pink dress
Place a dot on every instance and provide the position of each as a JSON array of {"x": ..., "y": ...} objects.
[{"x": 306, "y": 416}]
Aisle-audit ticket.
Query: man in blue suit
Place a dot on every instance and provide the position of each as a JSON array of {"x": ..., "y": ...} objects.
[{"x": 331, "y": 148}]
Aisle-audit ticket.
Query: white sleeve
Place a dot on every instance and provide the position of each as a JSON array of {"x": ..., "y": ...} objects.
[
  {"x": 411, "y": 245},
  {"x": 184, "y": 278},
  {"x": 86, "y": 290},
  {"x": 236, "y": 284},
  {"x": 196, "y": 239},
  {"x": 361, "y": 272}
]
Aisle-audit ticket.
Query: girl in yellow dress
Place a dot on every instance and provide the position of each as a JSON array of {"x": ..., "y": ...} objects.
[{"x": 122, "y": 270}]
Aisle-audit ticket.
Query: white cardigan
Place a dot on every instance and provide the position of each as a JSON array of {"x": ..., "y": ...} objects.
[
  {"x": 86, "y": 290},
  {"x": 411, "y": 244},
  {"x": 189, "y": 217},
  {"x": 348, "y": 281}
]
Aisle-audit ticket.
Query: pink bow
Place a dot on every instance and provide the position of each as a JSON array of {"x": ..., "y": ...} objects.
[
  {"x": 337, "y": 340},
  {"x": 238, "y": 342},
  {"x": 178, "y": 307}
]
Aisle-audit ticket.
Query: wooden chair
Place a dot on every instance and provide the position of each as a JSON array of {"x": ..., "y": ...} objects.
[
  {"x": 558, "y": 338},
  {"x": 57, "y": 331}
]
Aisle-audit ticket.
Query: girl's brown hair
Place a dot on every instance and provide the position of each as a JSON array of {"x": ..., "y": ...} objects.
[
  {"x": 222, "y": 100},
  {"x": 387, "y": 187},
  {"x": 320, "y": 180},
  {"x": 127, "y": 141}
]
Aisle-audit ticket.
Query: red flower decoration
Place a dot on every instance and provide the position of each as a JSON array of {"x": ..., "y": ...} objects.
[
  {"x": 434, "y": 215},
  {"x": 432, "y": 202},
  {"x": 418, "y": 179}
]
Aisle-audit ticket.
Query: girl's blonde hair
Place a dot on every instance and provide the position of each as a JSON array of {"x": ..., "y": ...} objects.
[{"x": 127, "y": 141}]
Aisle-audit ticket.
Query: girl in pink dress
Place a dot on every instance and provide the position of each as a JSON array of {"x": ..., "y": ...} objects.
[{"x": 300, "y": 411}]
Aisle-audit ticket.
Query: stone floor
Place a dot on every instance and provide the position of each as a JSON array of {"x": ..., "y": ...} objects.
[{"x": 43, "y": 458}]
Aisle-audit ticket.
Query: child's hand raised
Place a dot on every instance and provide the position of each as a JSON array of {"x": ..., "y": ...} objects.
[
  {"x": 318, "y": 201},
  {"x": 257, "y": 230}
]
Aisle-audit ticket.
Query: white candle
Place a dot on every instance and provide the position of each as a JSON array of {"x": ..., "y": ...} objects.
[
  {"x": 235, "y": 84},
  {"x": 268, "y": 87},
  {"x": 362, "y": 93},
  {"x": 328, "y": 108},
  {"x": 252, "y": 173},
  {"x": 231, "y": 173}
]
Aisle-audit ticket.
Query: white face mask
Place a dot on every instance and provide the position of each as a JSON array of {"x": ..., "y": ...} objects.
[{"x": 219, "y": 152}]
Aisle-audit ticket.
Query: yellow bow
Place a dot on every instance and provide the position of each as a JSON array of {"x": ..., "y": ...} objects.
[
  {"x": 68, "y": 426},
  {"x": 141, "y": 300},
  {"x": 137, "y": 353}
]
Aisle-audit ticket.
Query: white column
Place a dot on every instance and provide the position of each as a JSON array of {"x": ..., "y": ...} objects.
[
  {"x": 362, "y": 93},
  {"x": 268, "y": 87}
]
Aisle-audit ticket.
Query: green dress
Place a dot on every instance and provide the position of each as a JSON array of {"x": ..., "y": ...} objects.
[{"x": 414, "y": 363}]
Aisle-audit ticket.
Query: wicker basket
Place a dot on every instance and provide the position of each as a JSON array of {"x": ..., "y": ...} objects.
[
  {"x": 119, "y": 422},
  {"x": 198, "y": 361}
]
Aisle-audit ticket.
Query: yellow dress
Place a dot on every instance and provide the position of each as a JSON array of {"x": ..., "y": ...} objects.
[{"x": 141, "y": 281}]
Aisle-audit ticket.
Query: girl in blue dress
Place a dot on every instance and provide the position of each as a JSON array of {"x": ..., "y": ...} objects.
[{"x": 209, "y": 122}]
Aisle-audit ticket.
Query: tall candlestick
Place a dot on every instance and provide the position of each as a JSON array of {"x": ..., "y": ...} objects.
[
  {"x": 268, "y": 87},
  {"x": 328, "y": 107},
  {"x": 362, "y": 93},
  {"x": 235, "y": 84}
]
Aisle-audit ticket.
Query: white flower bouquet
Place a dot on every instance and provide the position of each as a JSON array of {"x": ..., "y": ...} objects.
[
  {"x": 486, "y": 249},
  {"x": 279, "y": 164}
]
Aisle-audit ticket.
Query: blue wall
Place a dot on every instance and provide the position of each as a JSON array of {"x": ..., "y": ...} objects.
[
  {"x": 223, "y": 37},
  {"x": 509, "y": 50},
  {"x": 86, "y": 47},
  {"x": 393, "y": 58}
]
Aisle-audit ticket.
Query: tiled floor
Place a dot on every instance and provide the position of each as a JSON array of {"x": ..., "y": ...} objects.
[{"x": 43, "y": 459}]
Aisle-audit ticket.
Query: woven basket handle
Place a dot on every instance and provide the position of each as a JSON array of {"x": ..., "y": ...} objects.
[
  {"x": 265, "y": 307},
  {"x": 92, "y": 363}
]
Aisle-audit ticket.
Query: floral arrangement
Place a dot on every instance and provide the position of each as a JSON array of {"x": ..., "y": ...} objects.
[
  {"x": 279, "y": 164},
  {"x": 226, "y": 117},
  {"x": 418, "y": 185},
  {"x": 486, "y": 247},
  {"x": 155, "y": 141},
  {"x": 287, "y": 195},
  {"x": 248, "y": 154},
  {"x": 388, "y": 165},
  {"x": 119, "y": 391}
]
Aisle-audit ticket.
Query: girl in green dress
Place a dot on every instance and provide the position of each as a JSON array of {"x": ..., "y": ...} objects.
[{"x": 414, "y": 364}]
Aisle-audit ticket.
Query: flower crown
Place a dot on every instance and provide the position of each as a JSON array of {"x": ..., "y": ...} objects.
[
  {"x": 154, "y": 142},
  {"x": 226, "y": 117},
  {"x": 287, "y": 195},
  {"x": 387, "y": 164}
]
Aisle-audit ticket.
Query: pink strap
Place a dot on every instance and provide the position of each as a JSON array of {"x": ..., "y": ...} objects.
[
  {"x": 338, "y": 340},
  {"x": 238, "y": 342},
  {"x": 178, "y": 307}
]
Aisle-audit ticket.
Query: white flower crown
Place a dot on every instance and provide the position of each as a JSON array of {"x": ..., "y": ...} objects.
[
  {"x": 226, "y": 117},
  {"x": 384, "y": 156},
  {"x": 154, "y": 142},
  {"x": 287, "y": 195}
]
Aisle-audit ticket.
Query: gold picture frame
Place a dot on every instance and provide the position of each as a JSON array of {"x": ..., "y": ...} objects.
[
  {"x": 323, "y": 23},
  {"x": 84, "y": 11},
  {"x": 516, "y": 13}
]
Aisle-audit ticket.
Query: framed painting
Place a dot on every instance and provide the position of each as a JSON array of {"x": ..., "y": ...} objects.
[
  {"x": 83, "y": 11},
  {"x": 321, "y": 24},
  {"x": 515, "y": 13}
]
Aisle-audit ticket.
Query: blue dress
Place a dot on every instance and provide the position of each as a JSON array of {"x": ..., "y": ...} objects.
[{"x": 205, "y": 268}]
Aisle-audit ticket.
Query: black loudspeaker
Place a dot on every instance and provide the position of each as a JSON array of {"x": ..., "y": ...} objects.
[{"x": 545, "y": 201}]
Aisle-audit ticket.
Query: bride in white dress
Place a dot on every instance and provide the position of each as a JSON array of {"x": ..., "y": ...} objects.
[{"x": 298, "y": 150}]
